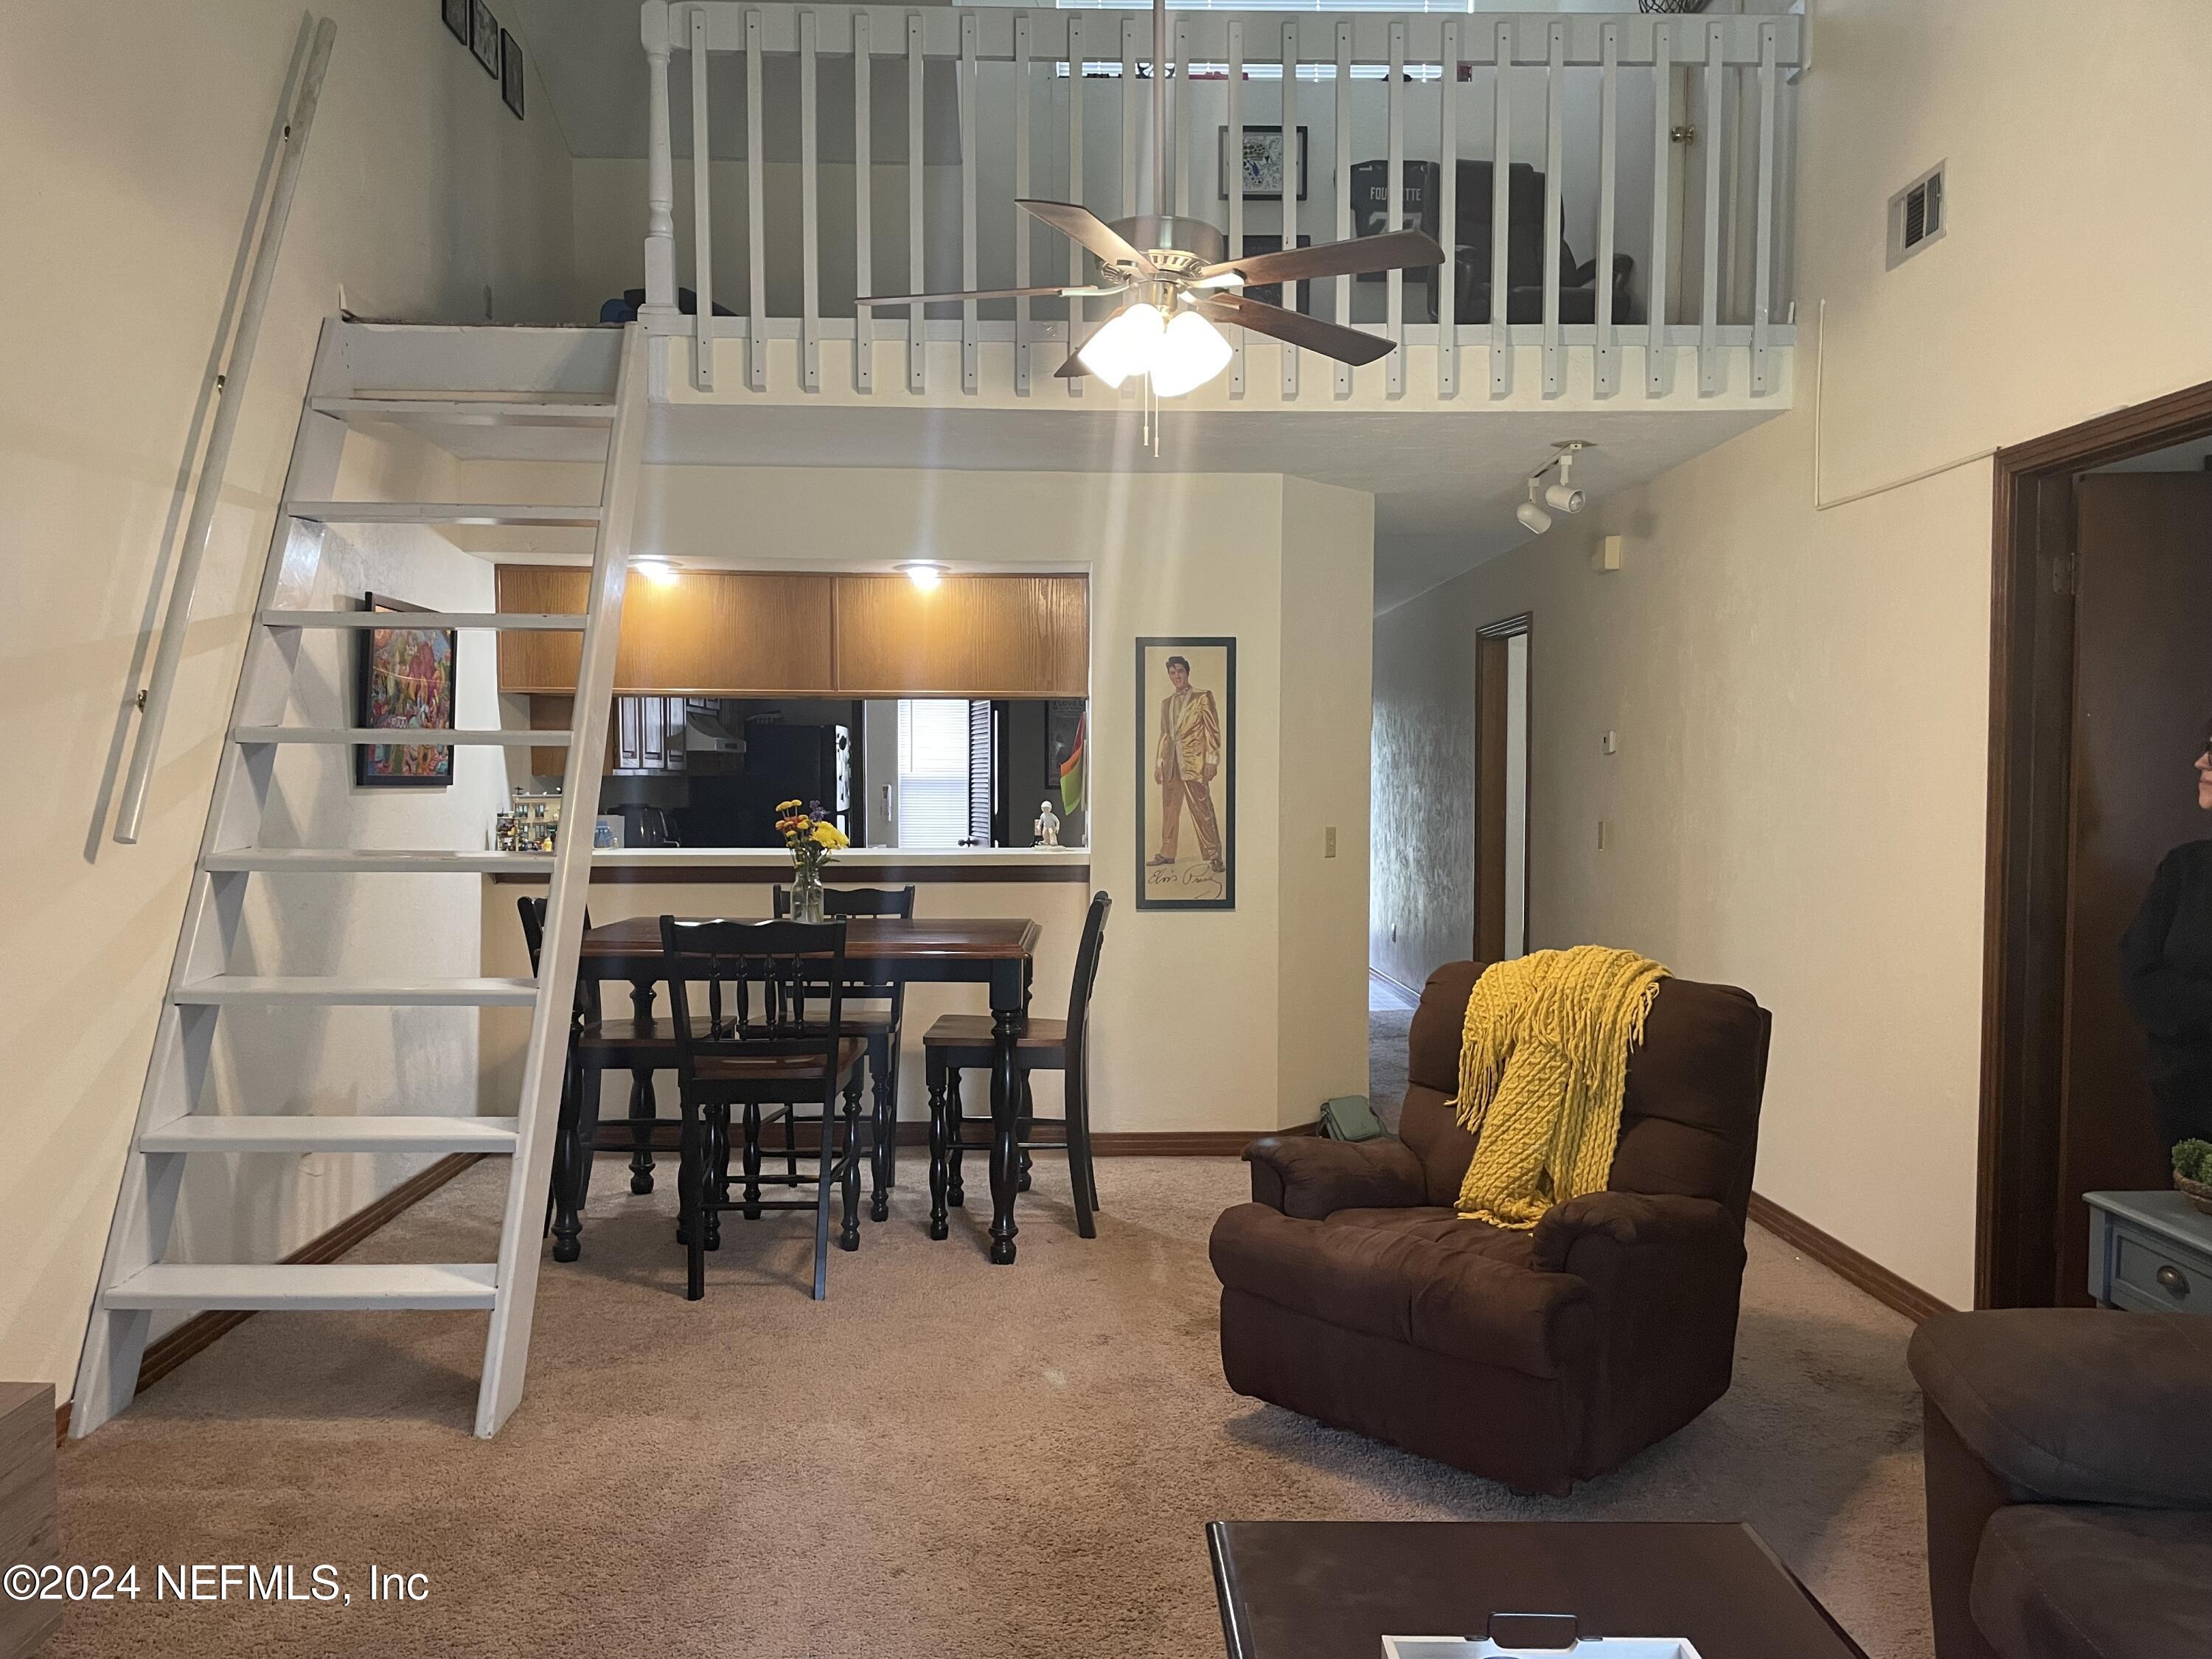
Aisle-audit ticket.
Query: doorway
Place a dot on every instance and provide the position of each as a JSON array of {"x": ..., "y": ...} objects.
[
  {"x": 2101, "y": 686},
  {"x": 1501, "y": 839}
]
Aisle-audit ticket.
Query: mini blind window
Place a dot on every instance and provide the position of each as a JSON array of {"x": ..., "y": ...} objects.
[{"x": 933, "y": 771}]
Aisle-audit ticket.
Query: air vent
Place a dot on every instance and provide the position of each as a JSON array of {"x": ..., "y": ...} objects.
[{"x": 1916, "y": 215}]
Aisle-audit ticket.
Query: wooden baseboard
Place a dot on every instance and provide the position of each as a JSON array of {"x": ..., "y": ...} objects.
[
  {"x": 165, "y": 1354},
  {"x": 1900, "y": 1295},
  {"x": 1395, "y": 983},
  {"x": 615, "y": 1140}
]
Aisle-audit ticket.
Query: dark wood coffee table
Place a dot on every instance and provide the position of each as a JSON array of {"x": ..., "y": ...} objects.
[{"x": 1333, "y": 1589}]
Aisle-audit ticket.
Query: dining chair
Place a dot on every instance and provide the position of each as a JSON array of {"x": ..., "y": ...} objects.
[
  {"x": 958, "y": 1042},
  {"x": 757, "y": 1052},
  {"x": 881, "y": 1025},
  {"x": 597, "y": 1045}
]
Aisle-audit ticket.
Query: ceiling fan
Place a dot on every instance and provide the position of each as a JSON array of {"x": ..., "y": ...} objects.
[{"x": 1180, "y": 281}]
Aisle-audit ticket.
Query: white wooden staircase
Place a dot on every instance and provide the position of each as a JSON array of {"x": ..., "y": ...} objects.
[{"x": 581, "y": 379}]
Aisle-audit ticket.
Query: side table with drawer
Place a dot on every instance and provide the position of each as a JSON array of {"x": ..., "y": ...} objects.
[{"x": 2149, "y": 1253}]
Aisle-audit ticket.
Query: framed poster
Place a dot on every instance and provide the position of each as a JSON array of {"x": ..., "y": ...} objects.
[
  {"x": 483, "y": 37},
  {"x": 510, "y": 71},
  {"x": 1263, "y": 162},
  {"x": 1187, "y": 773},
  {"x": 457, "y": 19},
  {"x": 405, "y": 679}
]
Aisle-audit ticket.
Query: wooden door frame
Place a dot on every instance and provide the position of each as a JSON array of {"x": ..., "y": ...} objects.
[
  {"x": 2025, "y": 892},
  {"x": 1487, "y": 637}
]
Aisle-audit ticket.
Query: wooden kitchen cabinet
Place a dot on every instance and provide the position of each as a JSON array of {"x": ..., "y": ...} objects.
[{"x": 969, "y": 636}]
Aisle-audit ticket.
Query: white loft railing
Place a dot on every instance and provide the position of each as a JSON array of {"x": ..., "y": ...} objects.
[{"x": 1653, "y": 152}]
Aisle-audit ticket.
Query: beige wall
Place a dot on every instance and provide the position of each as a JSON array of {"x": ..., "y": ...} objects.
[
  {"x": 1802, "y": 695},
  {"x": 132, "y": 133},
  {"x": 1190, "y": 1007}
]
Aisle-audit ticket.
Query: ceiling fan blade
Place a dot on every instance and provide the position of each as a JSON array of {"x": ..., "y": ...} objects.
[
  {"x": 1395, "y": 252},
  {"x": 1345, "y": 345},
  {"x": 984, "y": 293},
  {"x": 1080, "y": 224}
]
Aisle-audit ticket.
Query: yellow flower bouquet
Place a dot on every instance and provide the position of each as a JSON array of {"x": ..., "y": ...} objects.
[{"x": 812, "y": 840}]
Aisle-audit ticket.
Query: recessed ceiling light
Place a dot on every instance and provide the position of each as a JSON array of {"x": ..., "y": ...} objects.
[
  {"x": 659, "y": 572},
  {"x": 924, "y": 574}
]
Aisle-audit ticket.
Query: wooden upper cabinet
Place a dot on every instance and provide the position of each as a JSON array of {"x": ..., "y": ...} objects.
[
  {"x": 710, "y": 634},
  {"x": 767, "y": 633},
  {"x": 969, "y": 636}
]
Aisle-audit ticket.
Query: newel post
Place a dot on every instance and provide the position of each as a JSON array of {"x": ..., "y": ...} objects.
[{"x": 661, "y": 174}]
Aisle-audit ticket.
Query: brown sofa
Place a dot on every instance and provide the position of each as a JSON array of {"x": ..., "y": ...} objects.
[
  {"x": 2070, "y": 1483},
  {"x": 1351, "y": 1292}
]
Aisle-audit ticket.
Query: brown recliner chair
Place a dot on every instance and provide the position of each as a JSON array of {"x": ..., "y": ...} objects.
[
  {"x": 2070, "y": 1483},
  {"x": 1351, "y": 1292}
]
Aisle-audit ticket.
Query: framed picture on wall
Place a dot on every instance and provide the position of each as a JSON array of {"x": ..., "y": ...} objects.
[
  {"x": 1187, "y": 773},
  {"x": 483, "y": 37},
  {"x": 404, "y": 678},
  {"x": 510, "y": 71},
  {"x": 1264, "y": 164},
  {"x": 457, "y": 19}
]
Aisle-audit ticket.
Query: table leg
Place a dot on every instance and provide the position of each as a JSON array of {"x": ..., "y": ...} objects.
[
  {"x": 1006, "y": 1113},
  {"x": 643, "y": 1107},
  {"x": 570, "y": 1154},
  {"x": 881, "y": 1132}
]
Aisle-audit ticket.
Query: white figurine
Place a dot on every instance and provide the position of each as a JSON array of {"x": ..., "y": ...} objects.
[{"x": 1048, "y": 826}]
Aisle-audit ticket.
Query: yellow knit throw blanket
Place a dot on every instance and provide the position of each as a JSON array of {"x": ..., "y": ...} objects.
[{"x": 1542, "y": 1069}]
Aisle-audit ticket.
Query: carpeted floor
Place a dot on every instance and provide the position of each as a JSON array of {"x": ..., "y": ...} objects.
[{"x": 943, "y": 1459}]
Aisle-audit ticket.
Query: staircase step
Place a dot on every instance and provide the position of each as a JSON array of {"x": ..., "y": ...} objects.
[
  {"x": 333, "y": 992},
  {"x": 362, "y": 860},
  {"x": 515, "y": 410},
  {"x": 512, "y": 621},
  {"x": 494, "y": 1135},
  {"x": 335, "y": 1284},
  {"x": 472, "y": 513},
  {"x": 510, "y": 737}
]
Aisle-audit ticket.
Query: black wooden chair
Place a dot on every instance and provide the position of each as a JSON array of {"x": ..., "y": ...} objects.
[
  {"x": 958, "y": 1042},
  {"x": 597, "y": 1045},
  {"x": 880, "y": 1025},
  {"x": 755, "y": 1053}
]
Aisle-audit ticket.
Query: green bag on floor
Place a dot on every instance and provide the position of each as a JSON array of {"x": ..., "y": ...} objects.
[{"x": 1349, "y": 1117}]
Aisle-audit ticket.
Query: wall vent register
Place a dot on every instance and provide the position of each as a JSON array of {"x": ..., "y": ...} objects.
[{"x": 1916, "y": 215}]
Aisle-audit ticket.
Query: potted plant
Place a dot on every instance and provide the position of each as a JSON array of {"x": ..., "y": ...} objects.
[
  {"x": 2192, "y": 1172},
  {"x": 812, "y": 839}
]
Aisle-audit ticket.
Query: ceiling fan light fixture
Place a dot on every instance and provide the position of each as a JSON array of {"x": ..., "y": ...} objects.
[
  {"x": 1191, "y": 353},
  {"x": 1126, "y": 345}
]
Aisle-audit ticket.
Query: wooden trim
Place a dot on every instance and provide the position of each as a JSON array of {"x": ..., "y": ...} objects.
[
  {"x": 2024, "y": 884},
  {"x": 165, "y": 1354},
  {"x": 615, "y": 1140},
  {"x": 1898, "y": 1294},
  {"x": 873, "y": 875}
]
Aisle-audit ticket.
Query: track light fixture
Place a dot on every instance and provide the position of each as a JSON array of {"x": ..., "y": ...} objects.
[{"x": 1561, "y": 496}]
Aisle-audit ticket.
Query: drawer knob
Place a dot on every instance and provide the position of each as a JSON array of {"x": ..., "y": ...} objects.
[{"x": 2172, "y": 1279}]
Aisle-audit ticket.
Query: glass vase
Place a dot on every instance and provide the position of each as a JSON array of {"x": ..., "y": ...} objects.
[{"x": 806, "y": 894}]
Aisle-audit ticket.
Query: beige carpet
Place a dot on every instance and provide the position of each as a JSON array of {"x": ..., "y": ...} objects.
[{"x": 946, "y": 1458}]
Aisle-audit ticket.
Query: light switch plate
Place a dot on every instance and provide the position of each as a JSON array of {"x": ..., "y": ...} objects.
[{"x": 1329, "y": 842}]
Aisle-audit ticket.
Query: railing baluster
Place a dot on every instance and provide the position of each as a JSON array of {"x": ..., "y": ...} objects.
[
  {"x": 1762, "y": 300},
  {"x": 1447, "y": 276},
  {"x": 1343, "y": 125},
  {"x": 917, "y": 330},
  {"x": 1294, "y": 181},
  {"x": 1555, "y": 98},
  {"x": 864, "y": 258},
  {"x": 1394, "y": 370},
  {"x": 1607, "y": 376},
  {"x": 1232, "y": 166},
  {"x": 756, "y": 213},
  {"x": 1077, "y": 270},
  {"x": 1021, "y": 189},
  {"x": 1131, "y": 120},
  {"x": 1711, "y": 372},
  {"x": 660, "y": 175},
  {"x": 968, "y": 349},
  {"x": 809, "y": 213},
  {"x": 702, "y": 223},
  {"x": 1501, "y": 171},
  {"x": 1662, "y": 139}
]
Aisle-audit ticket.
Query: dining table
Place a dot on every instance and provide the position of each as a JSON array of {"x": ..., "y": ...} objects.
[{"x": 998, "y": 953}]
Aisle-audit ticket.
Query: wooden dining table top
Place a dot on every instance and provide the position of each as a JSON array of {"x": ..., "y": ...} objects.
[{"x": 876, "y": 939}]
